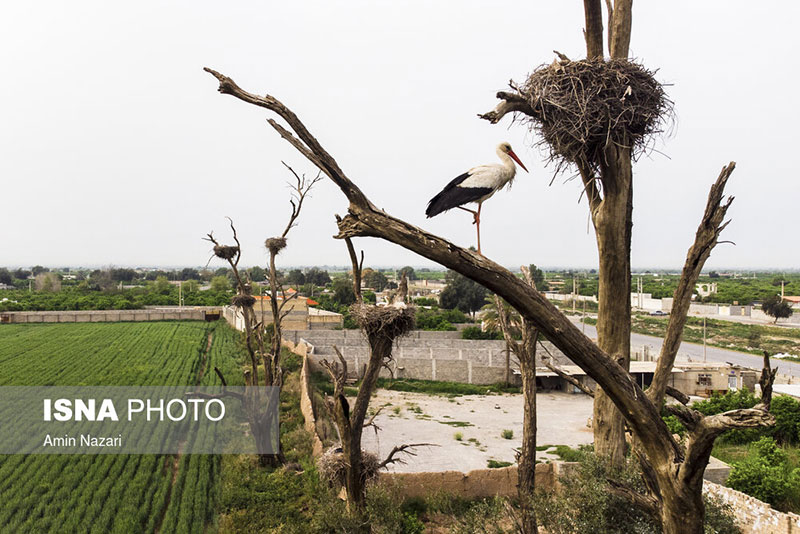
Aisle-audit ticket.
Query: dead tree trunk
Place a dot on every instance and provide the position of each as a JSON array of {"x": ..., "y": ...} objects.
[
  {"x": 526, "y": 461},
  {"x": 670, "y": 469},
  {"x": 613, "y": 223},
  {"x": 381, "y": 326},
  {"x": 254, "y": 330}
]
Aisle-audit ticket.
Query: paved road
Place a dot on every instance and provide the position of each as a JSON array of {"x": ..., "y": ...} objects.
[{"x": 695, "y": 352}]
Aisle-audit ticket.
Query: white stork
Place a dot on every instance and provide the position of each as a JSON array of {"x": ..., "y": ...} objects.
[{"x": 476, "y": 185}]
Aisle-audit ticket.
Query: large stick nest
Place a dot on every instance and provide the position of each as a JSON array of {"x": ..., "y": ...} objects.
[
  {"x": 275, "y": 244},
  {"x": 332, "y": 467},
  {"x": 243, "y": 301},
  {"x": 584, "y": 106},
  {"x": 388, "y": 321}
]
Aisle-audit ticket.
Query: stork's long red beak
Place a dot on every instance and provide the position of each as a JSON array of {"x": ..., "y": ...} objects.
[{"x": 515, "y": 158}]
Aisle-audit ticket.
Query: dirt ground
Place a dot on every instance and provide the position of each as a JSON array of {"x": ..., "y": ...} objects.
[{"x": 479, "y": 419}]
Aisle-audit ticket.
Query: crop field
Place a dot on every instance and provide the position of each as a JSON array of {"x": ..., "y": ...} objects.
[{"x": 111, "y": 493}]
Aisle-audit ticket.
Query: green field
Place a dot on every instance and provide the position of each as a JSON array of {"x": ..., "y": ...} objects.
[{"x": 112, "y": 493}]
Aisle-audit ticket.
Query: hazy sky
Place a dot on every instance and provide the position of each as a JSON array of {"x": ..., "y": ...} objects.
[{"x": 115, "y": 147}]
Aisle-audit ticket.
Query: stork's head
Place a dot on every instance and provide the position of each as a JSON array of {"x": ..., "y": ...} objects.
[{"x": 505, "y": 148}]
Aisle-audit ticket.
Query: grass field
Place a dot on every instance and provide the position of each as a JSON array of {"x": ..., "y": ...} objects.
[{"x": 112, "y": 493}]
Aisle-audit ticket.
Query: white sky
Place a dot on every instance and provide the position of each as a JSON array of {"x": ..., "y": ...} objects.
[{"x": 115, "y": 147}]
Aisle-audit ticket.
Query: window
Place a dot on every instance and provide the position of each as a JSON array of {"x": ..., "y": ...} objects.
[{"x": 704, "y": 379}]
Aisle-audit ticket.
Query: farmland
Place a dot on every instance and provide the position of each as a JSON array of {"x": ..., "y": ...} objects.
[{"x": 112, "y": 493}]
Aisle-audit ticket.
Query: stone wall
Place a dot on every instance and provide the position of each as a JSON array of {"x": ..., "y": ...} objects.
[
  {"x": 306, "y": 403},
  {"x": 752, "y": 515},
  {"x": 104, "y": 316},
  {"x": 475, "y": 484}
]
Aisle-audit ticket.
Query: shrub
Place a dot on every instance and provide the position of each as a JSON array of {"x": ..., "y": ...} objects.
[
  {"x": 568, "y": 454},
  {"x": 674, "y": 425},
  {"x": 586, "y": 505},
  {"x": 507, "y": 434},
  {"x": 787, "y": 416},
  {"x": 458, "y": 436},
  {"x": 475, "y": 332},
  {"x": 766, "y": 475},
  {"x": 496, "y": 464}
]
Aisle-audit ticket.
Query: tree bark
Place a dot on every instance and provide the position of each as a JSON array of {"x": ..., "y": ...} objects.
[
  {"x": 526, "y": 354},
  {"x": 526, "y": 471},
  {"x": 593, "y": 33},
  {"x": 619, "y": 29},
  {"x": 613, "y": 223}
]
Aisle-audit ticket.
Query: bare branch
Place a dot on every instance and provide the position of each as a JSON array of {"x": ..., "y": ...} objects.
[
  {"x": 371, "y": 421},
  {"x": 705, "y": 240},
  {"x": 765, "y": 381},
  {"x": 571, "y": 379},
  {"x": 509, "y": 103},
  {"x": 405, "y": 450},
  {"x": 688, "y": 417},
  {"x": 593, "y": 32},
  {"x": 646, "y": 503},
  {"x": 678, "y": 395},
  {"x": 321, "y": 158},
  {"x": 221, "y": 378},
  {"x": 356, "y": 266},
  {"x": 299, "y": 193},
  {"x": 619, "y": 29}
]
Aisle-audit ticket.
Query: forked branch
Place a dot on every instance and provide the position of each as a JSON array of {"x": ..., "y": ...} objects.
[{"x": 706, "y": 238}]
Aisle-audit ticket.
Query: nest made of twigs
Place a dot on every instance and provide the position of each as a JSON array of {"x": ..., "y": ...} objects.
[
  {"x": 583, "y": 106},
  {"x": 226, "y": 252},
  {"x": 332, "y": 467},
  {"x": 243, "y": 301},
  {"x": 275, "y": 244},
  {"x": 388, "y": 321}
]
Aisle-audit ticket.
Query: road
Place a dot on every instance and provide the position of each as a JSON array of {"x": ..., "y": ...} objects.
[{"x": 695, "y": 352}]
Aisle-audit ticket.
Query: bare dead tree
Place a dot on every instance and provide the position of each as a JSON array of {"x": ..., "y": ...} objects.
[
  {"x": 676, "y": 476},
  {"x": 381, "y": 326},
  {"x": 272, "y": 368},
  {"x": 607, "y": 177},
  {"x": 255, "y": 331},
  {"x": 526, "y": 460}
]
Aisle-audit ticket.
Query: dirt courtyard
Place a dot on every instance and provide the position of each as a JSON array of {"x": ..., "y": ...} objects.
[{"x": 479, "y": 422}]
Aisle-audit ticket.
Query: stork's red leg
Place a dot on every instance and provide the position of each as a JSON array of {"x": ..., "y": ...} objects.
[
  {"x": 475, "y": 214},
  {"x": 478, "y": 225}
]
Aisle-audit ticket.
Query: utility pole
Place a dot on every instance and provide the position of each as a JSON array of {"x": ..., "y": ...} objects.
[
  {"x": 583, "y": 322},
  {"x": 639, "y": 287},
  {"x": 704, "y": 339},
  {"x": 782, "y": 289},
  {"x": 574, "y": 292}
]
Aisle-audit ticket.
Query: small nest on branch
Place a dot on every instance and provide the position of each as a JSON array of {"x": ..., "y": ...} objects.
[
  {"x": 385, "y": 321},
  {"x": 275, "y": 244},
  {"x": 243, "y": 301},
  {"x": 583, "y": 106},
  {"x": 332, "y": 467},
  {"x": 226, "y": 252}
]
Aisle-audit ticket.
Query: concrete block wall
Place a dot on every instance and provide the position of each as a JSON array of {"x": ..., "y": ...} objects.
[
  {"x": 464, "y": 371},
  {"x": 102, "y": 316},
  {"x": 421, "y": 357}
]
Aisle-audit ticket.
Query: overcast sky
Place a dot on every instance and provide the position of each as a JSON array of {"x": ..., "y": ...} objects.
[{"x": 116, "y": 149}]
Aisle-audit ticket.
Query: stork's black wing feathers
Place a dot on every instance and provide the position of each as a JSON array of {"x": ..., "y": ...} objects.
[{"x": 452, "y": 196}]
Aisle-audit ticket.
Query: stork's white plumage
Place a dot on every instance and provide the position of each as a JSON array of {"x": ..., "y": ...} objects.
[{"x": 477, "y": 185}]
